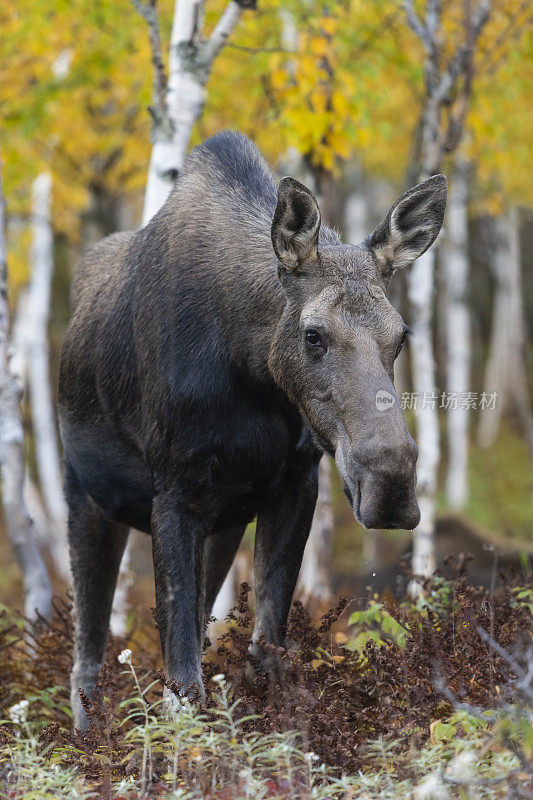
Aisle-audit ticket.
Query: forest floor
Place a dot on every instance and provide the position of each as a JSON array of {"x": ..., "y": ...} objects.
[{"x": 429, "y": 700}]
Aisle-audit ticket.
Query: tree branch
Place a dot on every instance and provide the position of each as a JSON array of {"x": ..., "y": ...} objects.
[
  {"x": 524, "y": 675},
  {"x": 433, "y": 17},
  {"x": 246, "y": 49},
  {"x": 159, "y": 108},
  {"x": 223, "y": 30},
  {"x": 515, "y": 26},
  {"x": 480, "y": 18},
  {"x": 455, "y": 67},
  {"x": 464, "y": 53},
  {"x": 190, "y": 65},
  {"x": 416, "y": 24},
  {"x": 473, "y": 711}
]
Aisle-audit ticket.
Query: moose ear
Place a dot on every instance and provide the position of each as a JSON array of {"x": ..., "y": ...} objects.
[
  {"x": 295, "y": 225},
  {"x": 410, "y": 227}
]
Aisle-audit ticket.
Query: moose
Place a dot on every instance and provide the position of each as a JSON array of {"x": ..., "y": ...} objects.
[{"x": 211, "y": 359}]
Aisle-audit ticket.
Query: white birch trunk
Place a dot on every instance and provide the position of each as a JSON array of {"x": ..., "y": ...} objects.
[
  {"x": 42, "y": 408},
  {"x": 505, "y": 372},
  {"x": 118, "y": 623},
  {"x": 189, "y": 69},
  {"x": 498, "y": 370},
  {"x": 420, "y": 291},
  {"x": 442, "y": 81},
  {"x": 227, "y": 595},
  {"x": 458, "y": 335},
  {"x": 356, "y": 216},
  {"x": 37, "y": 588},
  {"x": 314, "y": 582},
  {"x": 19, "y": 368}
]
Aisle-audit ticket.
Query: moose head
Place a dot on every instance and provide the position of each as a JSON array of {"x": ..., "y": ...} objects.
[{"x": 334, "y": 348}]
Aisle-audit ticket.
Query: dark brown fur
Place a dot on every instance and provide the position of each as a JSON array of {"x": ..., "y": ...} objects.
[{"x": 194, "y": 397}]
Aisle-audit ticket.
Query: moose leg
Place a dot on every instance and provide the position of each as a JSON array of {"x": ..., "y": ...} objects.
[
  {"x": 282, "y": 532},
  {"x": 220, "y": 550},
  {"x": 178, "y": 549},
  {"x": 96, "y": 548}
]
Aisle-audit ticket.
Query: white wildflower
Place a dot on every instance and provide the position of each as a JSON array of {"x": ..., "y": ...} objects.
[
  {"x": 125, "y": 657},
  {"x": 19, "y": 712},
  {"x": 61, "y": 65},
  {"x": 431, "y": 788},
  {"x": 220, "y": 678},
  {"x": 311, "y": 756},
  {"x": 462, "y": 766}
]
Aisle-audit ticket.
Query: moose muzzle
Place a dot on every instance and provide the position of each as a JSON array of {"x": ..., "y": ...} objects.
[{"x": 380, "y": 481}]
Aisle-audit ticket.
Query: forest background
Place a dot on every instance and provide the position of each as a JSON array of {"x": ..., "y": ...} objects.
[{"x": 340, "y": 95}]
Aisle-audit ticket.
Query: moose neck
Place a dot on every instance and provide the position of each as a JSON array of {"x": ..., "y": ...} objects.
[{"x": 218, "y": 260}]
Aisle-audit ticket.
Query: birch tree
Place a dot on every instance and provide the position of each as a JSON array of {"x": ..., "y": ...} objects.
[
  {"x": 19, "y": 368},
  {"x": 455, "y": 268},
  {"x": 37, "y": 587},
  {"x": 178, "y": 102},
  {"x": 31, "y": 365},
  {"x": 38, "y": 365},
  {"x": 505, "y": 372},
  {"x": 448, "y": 88},
  {"x": 314, "y": 582}
]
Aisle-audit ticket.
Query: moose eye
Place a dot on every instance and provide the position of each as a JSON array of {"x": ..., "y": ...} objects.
[
  {"x": 402, "y": 342},
  {"x": 313, "y": 339}
]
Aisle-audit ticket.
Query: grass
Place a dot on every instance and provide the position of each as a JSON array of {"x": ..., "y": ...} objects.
[
  {"x": 501, "y": 488},
  {"x": 421, "y": 700}
]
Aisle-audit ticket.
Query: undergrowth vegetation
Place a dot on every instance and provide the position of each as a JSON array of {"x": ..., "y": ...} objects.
[{"x": 429, "y": 699}]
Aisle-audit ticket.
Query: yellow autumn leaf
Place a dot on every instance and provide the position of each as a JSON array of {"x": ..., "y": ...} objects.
[
  {"x": 318, "y": 46},
  {"x": 329, "y": 25},
  {"x": 278, "y": 78},
  {"x": 319, "y": 101},
  {"x": 340, "y": 103},
  {"x": 339, "y": 142}
]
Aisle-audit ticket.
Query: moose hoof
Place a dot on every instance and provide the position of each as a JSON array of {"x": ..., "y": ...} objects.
[
  {"x": 80, "y": 718},
  {"x": 172, "y": 703},
  {"x": 82, "y": 680},
  {"x": 262, "y": 666},
  {"x": 255, "y": 675}
]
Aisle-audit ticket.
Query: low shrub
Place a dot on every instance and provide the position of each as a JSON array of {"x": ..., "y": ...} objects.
[{"x": 425, "y": 699}]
